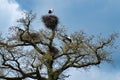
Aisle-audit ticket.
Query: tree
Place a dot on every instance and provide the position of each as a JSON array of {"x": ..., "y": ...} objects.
[{"x": 46, "y": 54}]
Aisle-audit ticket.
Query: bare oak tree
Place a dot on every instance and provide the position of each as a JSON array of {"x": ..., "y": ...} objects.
[{"x": 47, "y": 53}]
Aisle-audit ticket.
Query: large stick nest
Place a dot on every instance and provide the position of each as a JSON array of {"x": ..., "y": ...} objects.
[
  {"x": 32, "y": 36},
  {"x": 50, "y": 21}
]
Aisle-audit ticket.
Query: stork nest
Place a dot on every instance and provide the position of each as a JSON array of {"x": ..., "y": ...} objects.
[
  {"x": 32, "y": 36},
  {"x": 50, "y": 21},
  {"x": 53, "y": 49}
]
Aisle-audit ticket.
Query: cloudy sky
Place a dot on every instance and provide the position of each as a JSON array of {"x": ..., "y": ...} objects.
[{"x": 92, "y": 16}]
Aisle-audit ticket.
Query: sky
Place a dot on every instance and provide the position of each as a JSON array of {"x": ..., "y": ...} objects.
[{"x": 91, "y": 16}]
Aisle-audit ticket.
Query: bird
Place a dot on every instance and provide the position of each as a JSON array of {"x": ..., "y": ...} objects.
[
  {"x": 50, "y": 11},
  {"x": 67, "y": 38}
]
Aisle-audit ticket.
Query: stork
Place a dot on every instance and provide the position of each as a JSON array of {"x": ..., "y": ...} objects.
[
  {"x": 67, "y": 38},
  {"x": 50, "y": 11}
]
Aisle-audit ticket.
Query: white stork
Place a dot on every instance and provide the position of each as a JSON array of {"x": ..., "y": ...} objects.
[
  {"x": 67, "y": 38},
  {"x": 50, "y": 11}
]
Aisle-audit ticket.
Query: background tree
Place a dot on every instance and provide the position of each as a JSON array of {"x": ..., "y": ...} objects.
[{"x": 47, "y": 53}]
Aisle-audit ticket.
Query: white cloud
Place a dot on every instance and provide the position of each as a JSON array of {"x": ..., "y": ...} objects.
[
  {"x": 93, "y": 74},
  {"x": 9, "y": 13}
]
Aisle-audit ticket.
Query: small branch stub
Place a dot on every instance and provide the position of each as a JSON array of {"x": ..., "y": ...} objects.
[{"x": 50, "y": 21}]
